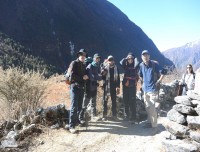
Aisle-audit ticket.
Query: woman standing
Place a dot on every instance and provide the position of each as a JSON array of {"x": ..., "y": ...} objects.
[
  {"x": 130, "y": 65},
  {"x": 187, "y": 80}
]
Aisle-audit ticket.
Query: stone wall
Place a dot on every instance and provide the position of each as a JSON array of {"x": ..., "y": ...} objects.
[
  {"x": 184, "y": 124},
  {"x": 197, "y": 81}
]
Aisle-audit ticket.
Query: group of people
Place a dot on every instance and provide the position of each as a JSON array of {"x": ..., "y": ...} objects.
[{"x": 84, "y": 79}]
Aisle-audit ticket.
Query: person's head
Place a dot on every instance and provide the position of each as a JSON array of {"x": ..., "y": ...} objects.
[
  {"x": 88, "y": 60},
  {"x": 130, "y": 58},
  {"x": 81, "y": 55},
  {"x": 111, "y": 60},
  {"x": 145, "y": 56},
  {"x": 190, "y": 68},
  {"x": 96, "y": 58}
]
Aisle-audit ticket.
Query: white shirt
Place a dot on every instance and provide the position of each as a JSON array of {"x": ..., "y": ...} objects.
[{"x": 188, "y": 78}]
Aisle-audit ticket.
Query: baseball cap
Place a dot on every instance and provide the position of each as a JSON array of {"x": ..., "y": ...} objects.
[{"x": 145, "y": 52}]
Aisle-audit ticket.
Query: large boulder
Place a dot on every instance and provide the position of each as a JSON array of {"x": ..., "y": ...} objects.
[
  {"x": 10, "y": 140},
  {"x": 197, "y": 81},
  {"x": 179, "y": 146},
  {"x": 195, "y": 102},
  {"x": 193, "y": 122},
  {"x": 195, "y": 135},
  {"x": 177, "y": 129},
  {"x": 174, "y": 115},
  {"x": 194, "y": 96},
  {"x": 197, "y": 109},
  {"x": 185, "y": 100},
  {"x": 184, "y": 109}
]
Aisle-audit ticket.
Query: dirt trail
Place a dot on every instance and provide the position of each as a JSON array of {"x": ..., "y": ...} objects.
[
  {"x": 100, "y": 136},
  {"x": 103, "y": 136}
]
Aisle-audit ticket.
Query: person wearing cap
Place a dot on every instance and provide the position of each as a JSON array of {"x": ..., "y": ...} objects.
[
  {"x": 130, "y": 65},
  {"x": 88, "y": 60},
  {"x": 78, "y": 79},
  {"x": 187, "y": 81},
  {"x": 111, "y": 85},
  {"x": 150, "y": 76},
  {"x": 93, "y": 72}
]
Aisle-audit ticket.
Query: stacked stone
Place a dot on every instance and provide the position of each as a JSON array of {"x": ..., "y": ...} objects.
[
  {"x": 13, "y": 132},
  {"x": 167, "y": 92},
  {"x": 184, "y": 124}
]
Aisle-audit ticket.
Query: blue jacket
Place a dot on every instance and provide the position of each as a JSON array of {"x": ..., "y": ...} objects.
[{"x": 94, "y": 76}]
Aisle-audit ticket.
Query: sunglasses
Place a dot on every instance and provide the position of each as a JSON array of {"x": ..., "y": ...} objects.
[
  {"x": 189, "y": 67},
  {"x": 130, "y": 58}
]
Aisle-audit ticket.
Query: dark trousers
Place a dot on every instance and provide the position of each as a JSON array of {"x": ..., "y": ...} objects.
[
  {"x": 89, "y": 96},
  {"x": 113, "y": 99},
  {"x": 129, "y": 97},
  {"x": 76, "y": 94}
]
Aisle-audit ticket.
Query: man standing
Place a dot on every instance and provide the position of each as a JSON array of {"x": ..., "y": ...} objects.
[
  {"x": 111, "y": 85},
  {"x": 93, "y": 72},
  {"x": 150, "y": 76},
  {"x": 78, "y": 78},
  {"x": 130, "y": 65}
]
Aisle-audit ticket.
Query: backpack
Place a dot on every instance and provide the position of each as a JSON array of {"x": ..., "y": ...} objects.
[{"x": 68, "y": 73}]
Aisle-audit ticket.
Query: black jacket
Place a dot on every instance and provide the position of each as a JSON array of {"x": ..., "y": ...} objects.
[{"x": 77, "y": 73}]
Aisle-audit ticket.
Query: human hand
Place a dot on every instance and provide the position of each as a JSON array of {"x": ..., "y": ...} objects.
[
  {"x": 85, "y": 77},
  {"x": 117, "y": 90},
  {"x": 180, "y": 83},
  {"x": 157, "y": 84}
]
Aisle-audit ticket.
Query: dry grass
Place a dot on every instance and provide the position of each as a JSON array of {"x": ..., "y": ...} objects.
[{"x": 20, "y": 92}]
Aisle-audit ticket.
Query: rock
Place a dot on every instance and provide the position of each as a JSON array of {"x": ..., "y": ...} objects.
[
  {"x": 195, "y": 135},
  {"x": 197, "y": 81},
  {"x": 26, "y": 131},
  {"x": 194, "y": 96},
  {"x": 179, "y": 146},
  {"x": 195, "y": 102},
  {"x": 193, "y": 122},
  {"x": 185, "y": 100},
  {"x": 10, "y": 140},
  {"x": 197, "y": 109},
  {"x": 7, "y": 125},
  {"x": 177, "y": 129},
  {"x": 56, "y": 126},
  {"x": 184, "y": 109},
  {"x": 17, "y": 126},
  {"x": 55, "y": 114},
  {"x": 174, "y": 115}
]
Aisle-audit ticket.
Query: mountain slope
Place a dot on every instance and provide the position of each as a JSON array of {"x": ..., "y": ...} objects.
[
  {"x": 46, "y": 27},
  {"x": 13, "y": 54},
  {"x": 184, "y": 55}
]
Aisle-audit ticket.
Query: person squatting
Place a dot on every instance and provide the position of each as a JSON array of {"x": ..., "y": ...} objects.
[{"x": 85, "y": 73}]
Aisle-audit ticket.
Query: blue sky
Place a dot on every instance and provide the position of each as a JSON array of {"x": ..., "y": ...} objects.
[{"x": 169, "y": 23}]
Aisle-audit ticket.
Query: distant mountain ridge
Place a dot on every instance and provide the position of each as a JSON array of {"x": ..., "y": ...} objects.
[
  {"x": 184, "y": 55},
  {"x": 46, "y": 27}
]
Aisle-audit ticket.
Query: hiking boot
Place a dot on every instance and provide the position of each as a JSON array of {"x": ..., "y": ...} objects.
[
  {"x": 147, "y": 125},
  {"x": 95, "y": 118},
  {"x": 103, "y": 118},
  {"x": 155, "y": 130},
  {"x": 132, "y": 121},
  {"x": 125, "y": 118},
  {"x": 73, "y": 130},
  {"x": 67, "y": 126},
  {"x": 114, "y": 118},
  {"x": 82, "y": 122}
]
